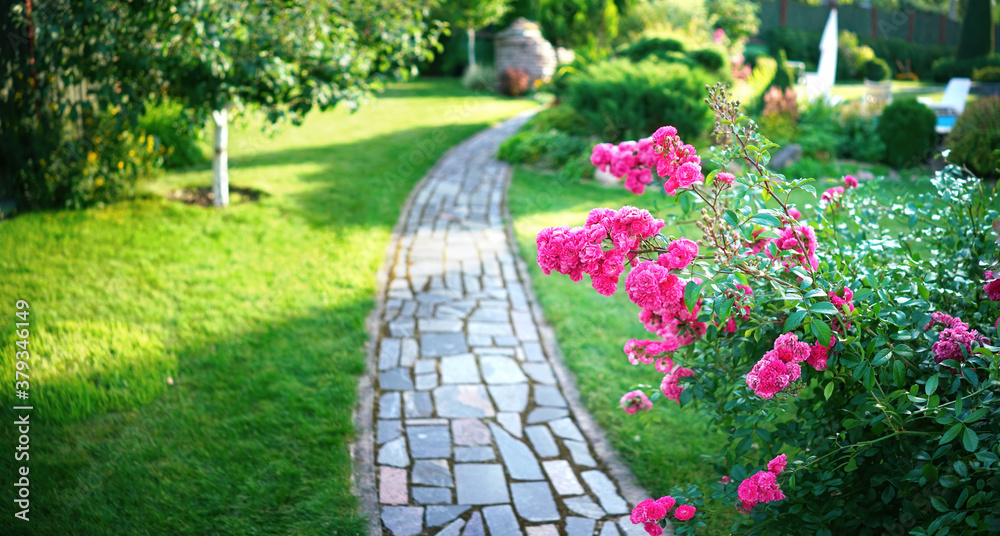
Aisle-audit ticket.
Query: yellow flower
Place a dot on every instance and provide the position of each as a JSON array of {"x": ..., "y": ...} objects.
[
  {"x": 91, "y": 157},
  {"x": 97, "y": 139},
  {"x": 131, "y": 153},
  {"x": 121, "y": 165},
  {"x": 150, "y": 143},
  {"x": 98, "y": 182}
]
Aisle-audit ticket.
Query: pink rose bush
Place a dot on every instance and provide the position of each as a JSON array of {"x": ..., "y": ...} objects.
[
  {"x": 804, "y": 326},
  {"x": 763, "y": 486}
]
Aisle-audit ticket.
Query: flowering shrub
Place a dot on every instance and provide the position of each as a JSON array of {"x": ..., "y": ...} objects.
[{"x": 845, "y": 347}]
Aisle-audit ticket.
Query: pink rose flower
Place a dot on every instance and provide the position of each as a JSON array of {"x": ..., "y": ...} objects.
[
  {"x": 850, "y": 181},
  {"x": 635, "y": 401},
  {"x": 725, "y": 178},
  {"x": 777, "y": 465},
  {"x": 685, "y": 512},
  {"x": 759, "y": 488}
]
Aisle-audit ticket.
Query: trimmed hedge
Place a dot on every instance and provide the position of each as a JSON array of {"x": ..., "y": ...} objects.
[
  {"x": 907, "y": 129},
  {"x": 622, "y": 100},
  {"x": 976, "y": 136}
]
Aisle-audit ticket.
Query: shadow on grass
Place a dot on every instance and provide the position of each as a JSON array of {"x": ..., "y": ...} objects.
[{"x": 249, "y": 440}]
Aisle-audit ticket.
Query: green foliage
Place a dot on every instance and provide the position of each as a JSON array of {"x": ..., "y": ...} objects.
[
  {"x": 883, "y": 435},
  {"x": 513, "y": 82},
  {"x": 876, "y": 70},
  {"x": 852, "y": 57},
  {"x": 85, "y": 59},
  {"x": 560, "y": 117},
  {"x": 480, "y": 78},
  {"x": 798, "y": 45},
  {"x": 178, "y": 133},
  {"x": 474, "y": 14},
  {"x": 986, "y": 74},
  {"x": 947, "y": 68},
  {"x": 713, "y": 60},
  {"x": 903, "y": 56},
  {"x": 551, "y": 149},
  {"x": 859, "y": 138},
  {"x": 624, "y": 100},
  {"x": 738, "y": 18},
  {"x": 579, "y": 24},
  {"x": 906, "y": 127},
  {"x": 646, "y": 46},
  {"x": 976, "y": 36},
  {"x": 818, "y": 132},
  {"x": 241, "y": 304},
  {"x": 976, "y": 136},
  {"x": 801, "y": 45},
  {"x": 752, "y": 55}
]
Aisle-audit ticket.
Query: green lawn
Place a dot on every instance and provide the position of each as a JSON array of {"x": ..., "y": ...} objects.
[{"x": 194, "y": 370}]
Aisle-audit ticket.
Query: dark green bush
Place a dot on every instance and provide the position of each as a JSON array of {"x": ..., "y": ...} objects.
[
  {"x": 552, "y": 148},
  {"x": 907, "y": 130},
  {"x": 647, "y": 46},
  {"x": 976, "y": 136},
  {"x": 624, "y": 100},
  {"x": 170, "y": 125},
  {"x": 859, "y": 139},
  {"x": 751, "y": 55},
  {"x": 711, "y": 59},
  {"x": 877, "y": 70},
  {"x": 976, "y": 37},
  {"x": 947, "y": 68},
  {"x": 799, "y": 45},
  {"x": 898, "y": 53},
  {"x": 559, "y": 117},
  {"x": 986, "y": 74}
]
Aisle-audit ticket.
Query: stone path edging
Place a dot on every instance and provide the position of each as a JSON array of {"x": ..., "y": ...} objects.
[{"x": 450, "y": 443}]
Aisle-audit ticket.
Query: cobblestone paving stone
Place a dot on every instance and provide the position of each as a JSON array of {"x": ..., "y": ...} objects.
[{"x": 474, "y": 435}]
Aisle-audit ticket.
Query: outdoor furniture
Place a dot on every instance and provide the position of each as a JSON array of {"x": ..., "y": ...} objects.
[
  {"x": 877, "y": 96},
  {"x": 953, "y": 101},
  {"x": 952, "y": 104}
]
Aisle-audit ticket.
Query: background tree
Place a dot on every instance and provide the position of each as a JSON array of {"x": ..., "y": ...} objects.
[
  {"x": 976, "y": 37},
  {"x": 738, "y": 18},
  {"x": 587, "y": 25},
  {"x": 471, "y": 15},
  {"x": 287, "y": 57}
]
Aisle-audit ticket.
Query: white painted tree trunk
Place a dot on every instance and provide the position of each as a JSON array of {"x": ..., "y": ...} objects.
[
  {"x": 472, "y": 46},
  {"x": 220, "y": 161}
]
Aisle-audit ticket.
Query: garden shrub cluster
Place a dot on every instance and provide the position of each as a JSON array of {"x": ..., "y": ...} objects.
[
  {"x": 907, "y": 129},
  {"x": 975, "y": 139},
  {"x": 850, "y": 362},
  {"x": 178, "y": 133},
  {"x": 620, "y": 99},
  {"x": 947, "y": 68},
  {"x": 898, "y": 54}
]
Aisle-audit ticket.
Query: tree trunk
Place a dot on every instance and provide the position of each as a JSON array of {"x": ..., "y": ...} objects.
[
  {"x": 220, "y": 161},
  {"x": 472, "y": 46}
]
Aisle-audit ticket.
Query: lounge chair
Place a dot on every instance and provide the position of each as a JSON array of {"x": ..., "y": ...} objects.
[{"x": 953, "y": 101}]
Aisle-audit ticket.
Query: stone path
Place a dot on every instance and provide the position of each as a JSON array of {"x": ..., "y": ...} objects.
[{"x": 472, "y": 432}]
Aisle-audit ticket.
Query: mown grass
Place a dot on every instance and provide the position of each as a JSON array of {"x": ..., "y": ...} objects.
[{"x": 194, "y": 370}]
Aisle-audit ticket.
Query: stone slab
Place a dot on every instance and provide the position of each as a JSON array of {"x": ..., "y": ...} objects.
[
  {"x": 403, "y": 520},
  {"x": 534, "y": 502},
  {"x": 542, "y": 441},
  {"x": 429, "y": 441},
  {"x": 606, "y": 492},
  {"x": 432, "y": 473},
  {"x": 562, "y": 477},
  {"x": 501, "y": 521},
  {"x": 481, "y": 484},
  {"x": 441, "y": 344},
  {"x": 456, "y": 401},
  {"x": 520, "y": 462}
]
